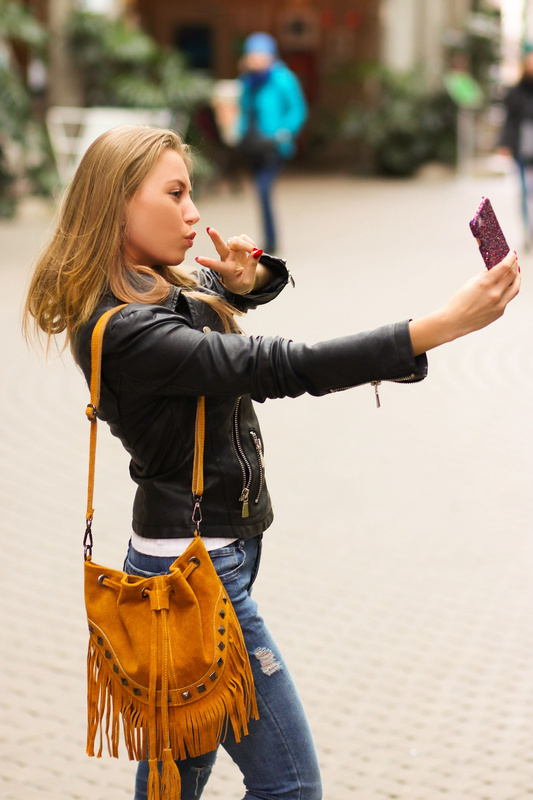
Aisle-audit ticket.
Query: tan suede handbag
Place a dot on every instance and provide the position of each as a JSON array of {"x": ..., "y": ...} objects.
[{"x": 166, "y": 654}]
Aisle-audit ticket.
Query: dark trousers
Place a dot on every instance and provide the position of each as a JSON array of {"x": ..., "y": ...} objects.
[{"x": 264, "y": 178}]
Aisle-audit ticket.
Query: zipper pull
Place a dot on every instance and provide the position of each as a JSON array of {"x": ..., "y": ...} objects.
[
  {"x": 259, "y": 447},
  {"x": 376, "y": 385},
  {"x": 244, "y": 500}
]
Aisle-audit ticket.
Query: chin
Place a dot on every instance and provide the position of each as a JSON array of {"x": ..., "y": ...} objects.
[{"x": 174, "y": 259}]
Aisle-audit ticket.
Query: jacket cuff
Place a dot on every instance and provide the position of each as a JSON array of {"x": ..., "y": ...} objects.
[
  {"x": 280, "y": 278},
  {"x": 419, "y": 363}
]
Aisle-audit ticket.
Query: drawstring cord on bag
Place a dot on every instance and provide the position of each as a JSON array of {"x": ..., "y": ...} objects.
[{"x": 159, "y": 642}]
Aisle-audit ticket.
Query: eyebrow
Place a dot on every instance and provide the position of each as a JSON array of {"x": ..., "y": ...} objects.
[{"x": 179, "y": 182}]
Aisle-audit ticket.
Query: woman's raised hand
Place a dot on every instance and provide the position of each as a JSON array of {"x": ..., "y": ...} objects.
[
  {"x": 238, "y": 261},
  {"x": 478, "y": 303}
]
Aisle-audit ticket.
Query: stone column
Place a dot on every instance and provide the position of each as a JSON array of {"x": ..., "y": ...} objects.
[
  {"x": 64, "y": 85},
  {"x": 528, "y": 20},
  {"x": 398, "y": 34},
  {"x": 412, "y": 33}
]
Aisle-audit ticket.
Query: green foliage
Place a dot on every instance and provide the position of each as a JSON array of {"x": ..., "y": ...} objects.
[
  {"x": 19, "y": 163},
  {"x": 482, "y": 41},
  {"x": 406, "y": 127},
  {"x": 123, "y": 66},
  {"x": 479, "y": 41},
  {"x": 17, "y": 24},
  {"x": 15, "y": 105}
]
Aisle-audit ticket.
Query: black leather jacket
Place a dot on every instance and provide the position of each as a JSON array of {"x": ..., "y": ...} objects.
[{"x": 157, "y": 359}]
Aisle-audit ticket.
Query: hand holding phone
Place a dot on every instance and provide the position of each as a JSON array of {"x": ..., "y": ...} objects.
[{"x": 489, "y": 235}]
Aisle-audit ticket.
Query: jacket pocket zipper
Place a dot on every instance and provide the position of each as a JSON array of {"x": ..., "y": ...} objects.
[
  {"x": 261, "y": 463},
  {"x": 243, "y": 461}
]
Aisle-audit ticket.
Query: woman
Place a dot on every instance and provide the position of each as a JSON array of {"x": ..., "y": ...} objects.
[
  {"x": 127, "y": 217},
  {"x": 517, "y": 135},
  {"x": 273, "y": 111}
]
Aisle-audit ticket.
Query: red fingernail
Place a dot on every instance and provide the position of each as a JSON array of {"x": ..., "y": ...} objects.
[
  {"x": 208, "y": 229},
  {"x": 197, "y": 259},
  {"x": 257, "y": 253}
]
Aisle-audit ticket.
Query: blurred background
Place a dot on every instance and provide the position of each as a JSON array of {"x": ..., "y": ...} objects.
[
  {"x": 392, "y": 85},
  {"x": 403, "y": 597}
]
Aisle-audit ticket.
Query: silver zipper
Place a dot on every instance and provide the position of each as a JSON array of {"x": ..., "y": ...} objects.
[
  {"x": 376, "y": 385},
  {"x": 243, "y": 461},
  {"x": 260, "y": 460}
]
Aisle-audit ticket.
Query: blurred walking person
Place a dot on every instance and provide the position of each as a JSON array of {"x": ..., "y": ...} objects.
[
  {"x": 272, "y": 113},
  {"x": 517, "y": 136}
]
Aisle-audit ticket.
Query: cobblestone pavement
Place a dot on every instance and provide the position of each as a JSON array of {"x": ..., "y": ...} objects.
[{"x": 398, "y": 575}]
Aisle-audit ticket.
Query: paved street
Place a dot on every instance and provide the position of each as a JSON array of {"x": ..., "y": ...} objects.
[{"x": 398, "y": 575}]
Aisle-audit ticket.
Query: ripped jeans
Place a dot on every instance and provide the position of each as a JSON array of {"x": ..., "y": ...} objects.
[{"x": 277, "y": 759}]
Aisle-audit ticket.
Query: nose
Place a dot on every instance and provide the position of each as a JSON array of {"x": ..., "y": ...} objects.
[{"x": 191, "y": 214}]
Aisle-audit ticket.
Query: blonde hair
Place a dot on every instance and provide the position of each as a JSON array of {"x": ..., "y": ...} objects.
[{"x": 84, "y": 259}]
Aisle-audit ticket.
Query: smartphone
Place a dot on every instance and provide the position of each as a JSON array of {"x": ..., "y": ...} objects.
[{"x": 486, "y": 229}]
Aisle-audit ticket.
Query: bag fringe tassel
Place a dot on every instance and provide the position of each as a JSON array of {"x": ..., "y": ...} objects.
[{"x": 193, "y": 729}]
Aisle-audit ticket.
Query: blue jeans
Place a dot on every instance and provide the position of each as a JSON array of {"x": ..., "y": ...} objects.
[
  {"x": 264, "y": 178},
  {"x": 278, "y": 758}
]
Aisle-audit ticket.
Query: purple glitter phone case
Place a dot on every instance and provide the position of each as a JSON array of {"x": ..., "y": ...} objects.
[{"x": 486, "y": 229}]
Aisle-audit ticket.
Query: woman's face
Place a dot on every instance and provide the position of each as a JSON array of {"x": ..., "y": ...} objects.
[
  {"x": 257, "y": 62},
  {"x": 160, "y": 215}
]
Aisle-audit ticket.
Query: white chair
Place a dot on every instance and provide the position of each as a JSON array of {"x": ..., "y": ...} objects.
[{"x": 72, "y": 129}]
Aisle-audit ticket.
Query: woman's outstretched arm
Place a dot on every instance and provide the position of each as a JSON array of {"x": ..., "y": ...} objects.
[{"x": 478, "y": 303}]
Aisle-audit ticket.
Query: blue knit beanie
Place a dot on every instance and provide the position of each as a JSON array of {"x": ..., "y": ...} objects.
[{"x": 260, "y": 43}]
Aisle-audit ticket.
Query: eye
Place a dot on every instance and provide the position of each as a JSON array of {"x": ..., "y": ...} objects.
[{"x": 177, "y": 193}]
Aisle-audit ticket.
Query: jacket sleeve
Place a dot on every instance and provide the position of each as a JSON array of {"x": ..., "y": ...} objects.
[
  {"x": 151, "y": 349},
  {"x": 294, "y": 106}
]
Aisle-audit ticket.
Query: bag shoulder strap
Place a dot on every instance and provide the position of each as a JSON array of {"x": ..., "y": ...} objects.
[{"x": 91, "y": 412}]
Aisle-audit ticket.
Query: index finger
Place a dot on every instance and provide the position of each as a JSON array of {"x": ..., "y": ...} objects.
[{"x": 220, "y": 245}]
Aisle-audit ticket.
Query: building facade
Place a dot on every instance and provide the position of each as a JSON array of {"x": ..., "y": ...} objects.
[
  {"x": 328, "y": 43},
  {"x": 317, "y": 38}
]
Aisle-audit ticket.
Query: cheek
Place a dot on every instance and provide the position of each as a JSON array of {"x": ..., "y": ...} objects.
[
  {"x": 137, "y": 234},
  {"x": 141, "y": 218},
  {"x": 143, "y": 224}
]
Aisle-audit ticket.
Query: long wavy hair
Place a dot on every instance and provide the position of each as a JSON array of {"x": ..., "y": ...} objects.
[{"x": 84, "y": 259}]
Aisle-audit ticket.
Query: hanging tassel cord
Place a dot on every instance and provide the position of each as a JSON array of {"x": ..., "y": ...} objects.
[
  {"x": 166, "y": 786},
  {"x": 154, "y": 780},
  {"x": 170, "y": 775}
]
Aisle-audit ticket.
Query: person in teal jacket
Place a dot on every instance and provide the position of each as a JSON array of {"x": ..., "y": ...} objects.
[{"x": 273, "y": 111}]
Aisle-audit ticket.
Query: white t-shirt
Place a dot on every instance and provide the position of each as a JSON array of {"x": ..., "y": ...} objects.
[{"x": 173, "y": 547}]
